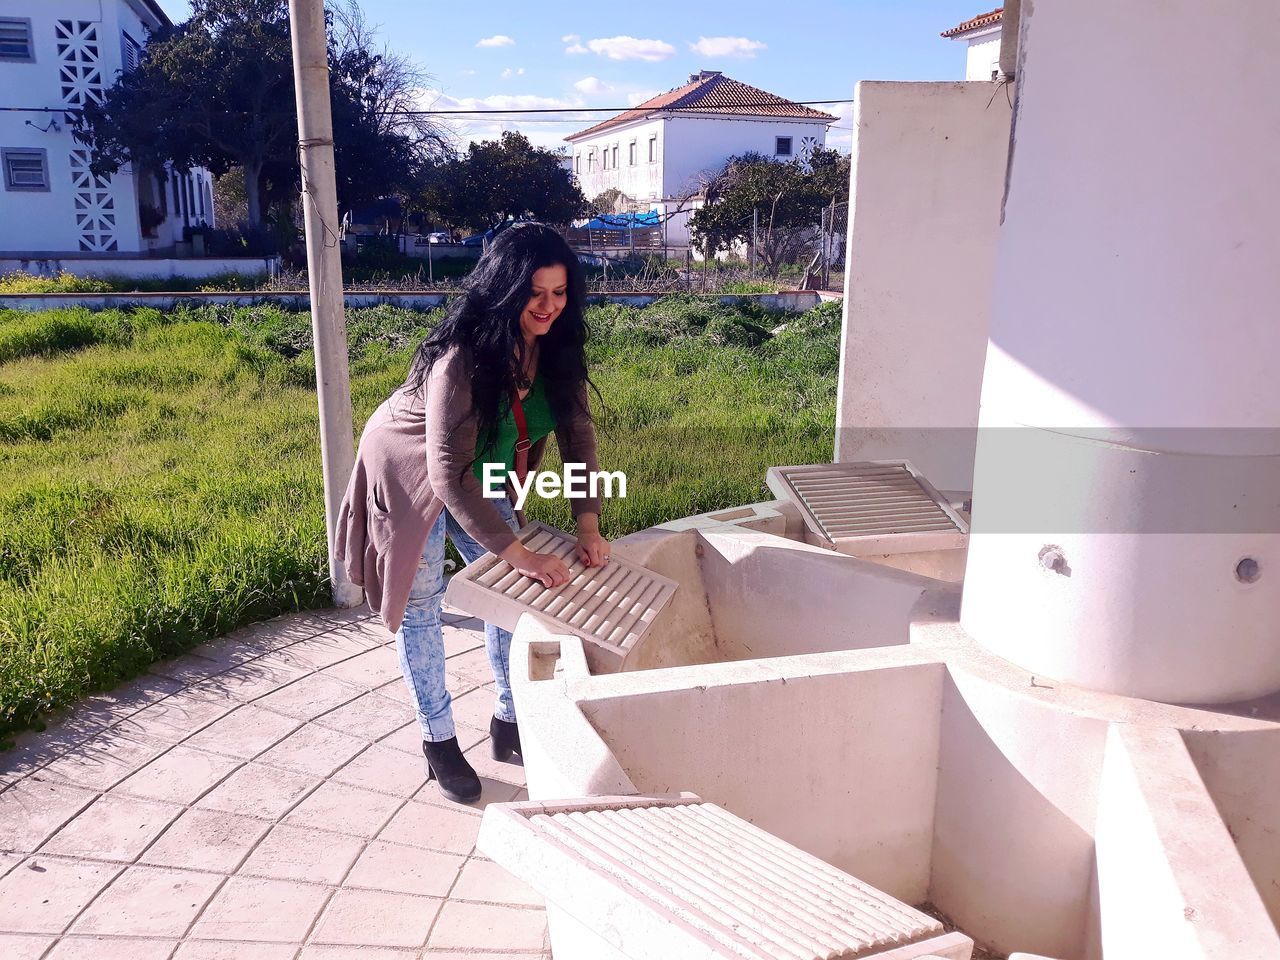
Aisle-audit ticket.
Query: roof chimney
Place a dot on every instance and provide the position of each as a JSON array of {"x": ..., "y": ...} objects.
[{"x": 703, "y": 75}]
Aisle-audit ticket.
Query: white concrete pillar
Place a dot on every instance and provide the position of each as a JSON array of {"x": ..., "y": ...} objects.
[
  {"x": 324, "y": 270},
  {"x": 1127, "y": 486}
]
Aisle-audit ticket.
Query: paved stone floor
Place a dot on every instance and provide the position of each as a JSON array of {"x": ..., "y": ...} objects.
[{"x": 261, "y": 798}]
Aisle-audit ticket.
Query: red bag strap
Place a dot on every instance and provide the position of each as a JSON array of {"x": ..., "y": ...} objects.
[{"x": 522, "y": 436}]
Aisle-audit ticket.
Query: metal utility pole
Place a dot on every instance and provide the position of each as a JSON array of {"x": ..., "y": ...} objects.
[{"x": 324, "y": 270}]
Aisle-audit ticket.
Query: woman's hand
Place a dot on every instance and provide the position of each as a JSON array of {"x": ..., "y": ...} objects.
[
  {"x": 547, "y": 569},
  {"x": 593, "y": 549}
]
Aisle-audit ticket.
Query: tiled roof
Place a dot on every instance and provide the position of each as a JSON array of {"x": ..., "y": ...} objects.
[
  {"x": 982, "y": 20},
  {"x": 710, "y": 92}
]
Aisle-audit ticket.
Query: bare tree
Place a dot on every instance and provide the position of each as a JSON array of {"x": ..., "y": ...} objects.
[
  {"x": 781, "y": 205},
  {"x": 399, "y": 80}
]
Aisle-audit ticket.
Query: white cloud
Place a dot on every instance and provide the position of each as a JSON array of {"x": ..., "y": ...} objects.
[
  {"x": 508, "y": 73},
  {"x": 498, "y": 40},
  {"x": 467, "y": 72},
  {"x": 739, "y": 47},
  {"x": 570, "y": 38},
  {"x": 592, "y": 85},
  {"x": 632, "y": 48},
  {"x": 575, "y": 48}
]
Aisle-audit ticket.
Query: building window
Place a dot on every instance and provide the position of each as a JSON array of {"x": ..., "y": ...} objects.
[
  {"x": 577, "y": 163},
  {"x": 653, "y": 149},
  {"x": 782, "y": 146},
  {"x": 604, "y": 159},
  {"x": 130, "y": 52},
  {"x": 631, "y": 153},
  {"x": 15, "y": 40},
  {"x": 615, "y": 156},
  {"x": 26, "y": 170},
  {"x": 591, "y": 161}
]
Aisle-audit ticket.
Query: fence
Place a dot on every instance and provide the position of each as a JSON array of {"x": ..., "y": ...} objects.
[{"x": 632, "y": 238}]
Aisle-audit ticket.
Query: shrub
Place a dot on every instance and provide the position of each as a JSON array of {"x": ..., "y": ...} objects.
[{"x": 22, "y": 282}]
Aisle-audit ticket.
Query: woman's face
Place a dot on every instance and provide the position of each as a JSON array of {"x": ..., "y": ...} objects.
[{"x": 550, "y": 293}]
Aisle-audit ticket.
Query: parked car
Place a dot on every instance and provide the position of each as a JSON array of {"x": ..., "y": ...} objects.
[{"x": 439, "y": 238}]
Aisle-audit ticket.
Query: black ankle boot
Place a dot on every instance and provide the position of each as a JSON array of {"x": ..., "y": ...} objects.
[
  {"x": 447, "y": 766},
  {"x": 504, "y": 738}
]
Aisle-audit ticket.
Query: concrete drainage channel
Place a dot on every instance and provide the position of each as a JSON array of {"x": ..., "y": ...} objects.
[{"x": 786, "y": 301}]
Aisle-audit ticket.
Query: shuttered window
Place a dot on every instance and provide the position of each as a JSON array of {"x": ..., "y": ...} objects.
[
  {"x": 131, "y": 51},
  {"x": 26, "y": 170},
  {"x": 15, "y": 40}
]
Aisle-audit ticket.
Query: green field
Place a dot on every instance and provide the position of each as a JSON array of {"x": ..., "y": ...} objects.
[{"x": 160, "y": 474}]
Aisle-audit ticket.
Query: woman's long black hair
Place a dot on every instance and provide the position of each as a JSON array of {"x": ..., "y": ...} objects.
[{"x": 485, "y": 320}]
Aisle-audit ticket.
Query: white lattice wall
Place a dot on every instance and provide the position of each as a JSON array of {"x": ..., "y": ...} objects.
[
  {"x": 79, "y": 45},
  {"x": 95, "y": 206}
]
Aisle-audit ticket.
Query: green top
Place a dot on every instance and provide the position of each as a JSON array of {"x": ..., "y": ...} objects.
[{"x": 539, "y": 420}]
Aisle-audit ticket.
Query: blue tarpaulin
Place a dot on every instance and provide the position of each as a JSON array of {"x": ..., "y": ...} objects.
[{"x": 622, "y": 221}]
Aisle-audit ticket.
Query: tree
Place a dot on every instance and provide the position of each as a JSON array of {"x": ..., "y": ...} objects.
[
  {"x": 787, "y": 198},
  {"x": 396, "y": 143},
  {"x": 217, "y": 91},
  {"x": 505, "y": 179},
  {"x": 229, "y": 202},
  {"x": 391, "y": 86},
  {"x": 609, "y": 201}
]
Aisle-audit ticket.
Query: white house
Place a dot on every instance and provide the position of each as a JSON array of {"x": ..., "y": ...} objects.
[
  {"x": 982, "y": 35},
  {"x": 56, "y": 56},
  {"x": 659, "y": 152}
]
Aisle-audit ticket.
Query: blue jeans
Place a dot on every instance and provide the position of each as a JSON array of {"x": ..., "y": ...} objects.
[{"x": 420, "y": 641}]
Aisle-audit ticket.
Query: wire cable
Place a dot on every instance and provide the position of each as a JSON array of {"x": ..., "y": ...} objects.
[{"x": 528, "y": 111}]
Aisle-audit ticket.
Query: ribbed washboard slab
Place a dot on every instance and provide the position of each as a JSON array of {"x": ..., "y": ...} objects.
[
  {"x": 742, "y": 890},
  {"x": 612, "y": 605},
  {"x": 870, "y": 508}
]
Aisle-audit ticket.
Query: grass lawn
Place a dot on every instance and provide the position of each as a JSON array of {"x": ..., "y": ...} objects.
[{"x": 160, "y": 474}]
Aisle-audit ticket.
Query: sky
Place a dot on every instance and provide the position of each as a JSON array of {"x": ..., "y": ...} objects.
[{"x": 510, "y": 54}]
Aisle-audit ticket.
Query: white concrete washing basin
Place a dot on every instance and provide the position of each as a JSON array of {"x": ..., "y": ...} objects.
[
  {"x": 836, "y": 704},
  {"x": 732, "y": 567}
]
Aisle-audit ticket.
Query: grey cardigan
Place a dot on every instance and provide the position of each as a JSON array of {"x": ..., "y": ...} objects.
[{"x": 415, "y": 460}]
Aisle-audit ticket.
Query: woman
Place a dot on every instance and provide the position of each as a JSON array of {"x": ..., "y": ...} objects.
[{"x": 511, "y": 348}]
